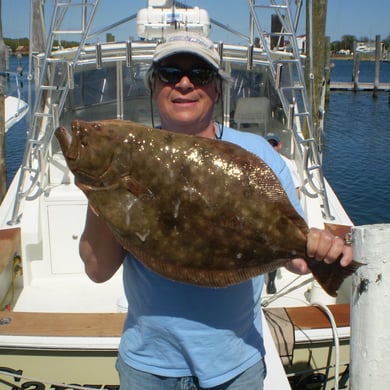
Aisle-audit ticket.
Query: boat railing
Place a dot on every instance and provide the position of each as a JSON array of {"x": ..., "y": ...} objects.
[
  {"x": 300, "y": 111},
  {"x": 43, "y": 111}
]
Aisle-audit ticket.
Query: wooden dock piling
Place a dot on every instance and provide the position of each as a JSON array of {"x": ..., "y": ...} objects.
[
  {"x": 377, "y": 65},
  {"x": 355, "y": 85},
  {"x": 315, "y": 62},
  {"x": 356, "y": 70}
]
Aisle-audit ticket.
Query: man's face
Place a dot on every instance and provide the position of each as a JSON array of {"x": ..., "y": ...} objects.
[{"x": 184, "y": 106}]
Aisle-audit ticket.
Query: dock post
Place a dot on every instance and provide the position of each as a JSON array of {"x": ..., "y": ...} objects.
[
  {"x": 370, "y": 306},
  {"x": 356, "y": 66},
  {"x": 315, "y": 59},
  {"x": 378, "y": 55}
]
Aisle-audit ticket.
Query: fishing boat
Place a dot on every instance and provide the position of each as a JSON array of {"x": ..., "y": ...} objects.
[
  {"x": 15, "y": 108},
  {"x": 59, "y": 329}
]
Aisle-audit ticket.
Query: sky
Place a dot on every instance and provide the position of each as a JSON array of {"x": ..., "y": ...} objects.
[{"x": 361, "y": 18}]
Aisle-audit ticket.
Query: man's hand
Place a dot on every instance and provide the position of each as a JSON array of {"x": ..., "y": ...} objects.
[{"x": 322, "y": 246}]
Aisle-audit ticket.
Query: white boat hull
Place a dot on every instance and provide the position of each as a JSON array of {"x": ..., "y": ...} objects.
[{"x": 15, "y": 110}]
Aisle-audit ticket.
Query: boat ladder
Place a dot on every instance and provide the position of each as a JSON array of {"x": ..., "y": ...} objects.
[
  {"x": 55, "y": 81},
  {"x": 294, "y": 98}
]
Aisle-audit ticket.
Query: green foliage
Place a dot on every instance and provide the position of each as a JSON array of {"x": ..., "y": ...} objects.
[
  {"x": 347, "y": 42},
  {"x": 66, "y": 44},
  {"x": 14, "y": 43}
]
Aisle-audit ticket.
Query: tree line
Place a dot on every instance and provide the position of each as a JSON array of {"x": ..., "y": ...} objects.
[
  {"x": 13, "y": 43},
  {"x": 347, "y": 43}
]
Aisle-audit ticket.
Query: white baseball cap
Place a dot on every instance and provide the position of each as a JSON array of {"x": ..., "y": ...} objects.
[{"x": 187, "y": 42}]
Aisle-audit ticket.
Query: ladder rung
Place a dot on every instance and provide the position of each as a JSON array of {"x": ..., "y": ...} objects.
[
  {"x": 307, "y": 141},
  {"x": 281, "y": 34},
  {"x": 60, "y": 32},
  {"x": 42, "y": 115},
  {"x": 54, "y": 60},
  {"x": 288, "y": 61},
  {"x": 293, "y": 88},
  {"x": 305, "y": 113},
  {"x": 313, "y": 167},
  {"x": 51, "y": 88},
  {"x": 270, "y": 6}
]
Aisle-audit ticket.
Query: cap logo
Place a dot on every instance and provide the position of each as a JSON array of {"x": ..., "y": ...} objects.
[{"x": 190, "y": 39}]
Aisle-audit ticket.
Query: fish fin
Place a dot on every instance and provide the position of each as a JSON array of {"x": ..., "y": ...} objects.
[
  {"x": 203, "y": 277},
  {"x": 214, "y": 278},
  {"x": 331, "y": 276},
  {"x": 135, "y": 187}
]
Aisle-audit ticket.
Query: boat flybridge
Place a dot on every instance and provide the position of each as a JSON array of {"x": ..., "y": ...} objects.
[{"x": 52, "y": 314}]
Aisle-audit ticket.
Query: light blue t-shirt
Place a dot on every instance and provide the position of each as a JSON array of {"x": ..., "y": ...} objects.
[{"x": 176, "y": 329}]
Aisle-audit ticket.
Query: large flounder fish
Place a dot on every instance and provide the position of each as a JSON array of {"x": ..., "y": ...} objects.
[{"x": 192, "y": 209}]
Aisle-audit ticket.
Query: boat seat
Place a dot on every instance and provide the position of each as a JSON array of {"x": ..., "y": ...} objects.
[{"x": 253, "y": 110}]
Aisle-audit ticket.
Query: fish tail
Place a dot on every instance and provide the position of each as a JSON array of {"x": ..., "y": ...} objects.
[{"x": 331, "y": 276}]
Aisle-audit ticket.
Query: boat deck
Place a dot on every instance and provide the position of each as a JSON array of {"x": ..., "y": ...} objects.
[
  {"x": 313, "y": 317},
  {"x": 63, "y": 324},
  {"x": 110, "y": 324}
]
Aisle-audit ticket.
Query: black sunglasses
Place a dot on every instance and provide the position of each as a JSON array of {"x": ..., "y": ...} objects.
[{"x": 197, "y": 76}]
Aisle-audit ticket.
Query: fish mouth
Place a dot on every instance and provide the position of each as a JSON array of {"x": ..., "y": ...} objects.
[
  {"x": 102, "y": 178},
  {"x": 87, "y": 182},
  {"x": 64, "y": 138},
  {"x": 83, "y": 180}
]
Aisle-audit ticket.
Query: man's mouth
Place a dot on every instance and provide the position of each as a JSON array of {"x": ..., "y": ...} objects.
[{"x": 181, "y": 100}]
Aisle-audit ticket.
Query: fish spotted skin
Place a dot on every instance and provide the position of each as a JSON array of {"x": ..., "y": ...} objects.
[{"x": 192, "y": 209}]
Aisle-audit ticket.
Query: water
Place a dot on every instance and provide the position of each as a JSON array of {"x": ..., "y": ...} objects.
[
  {"x": 356, "y": 150},
  {"x": 357, "y": 142},
  {"x": 342, "y": 71}
]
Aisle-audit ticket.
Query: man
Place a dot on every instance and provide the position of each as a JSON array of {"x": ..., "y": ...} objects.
[{"x": 178, "y": 335}]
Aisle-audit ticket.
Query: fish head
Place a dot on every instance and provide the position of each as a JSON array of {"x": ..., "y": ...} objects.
[{"x": 87, "y": 151}]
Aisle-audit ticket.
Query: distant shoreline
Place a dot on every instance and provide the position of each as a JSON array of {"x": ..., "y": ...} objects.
[{"x": 350, "y": 58}]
